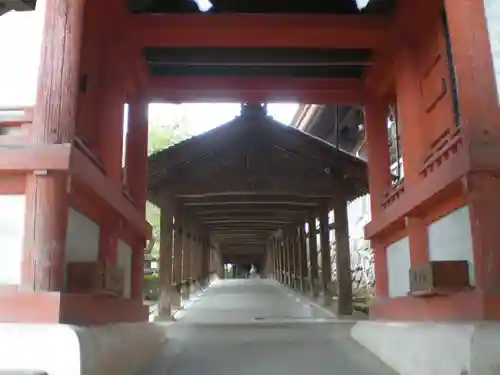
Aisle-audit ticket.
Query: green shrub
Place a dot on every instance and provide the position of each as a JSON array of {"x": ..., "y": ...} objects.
[{"x": 151, "y": 289}]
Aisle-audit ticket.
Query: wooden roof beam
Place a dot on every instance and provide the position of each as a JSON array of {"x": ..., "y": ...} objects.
[
  {"x": 256, "y": 89},
  {"x": 299, "y": 185},
  {"x": 258, "y": 30}
]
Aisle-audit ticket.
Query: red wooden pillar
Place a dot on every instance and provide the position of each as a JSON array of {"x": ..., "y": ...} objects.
[
  {"x": 413, "y": 144},
  {"x": 379, "y": 176},
  {"x": 136, "y": 177},
  {"x": 53, "y": 123},
  {"x": 479, "y": 110},
  {"x": 110, "y": 120}
]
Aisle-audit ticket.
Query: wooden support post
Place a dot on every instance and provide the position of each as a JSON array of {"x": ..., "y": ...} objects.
[
  {"x": 136, "y": 172},
  {"x": 282, "y": 246},
  {"x": 177, "y": 268},
  {"x": 195, "y": 262},
  {"x": 53, "y": 123},
  {"x": 274, "y": 245},
  {"x": 326, "y": 265},
  {"x": 379, "y": 174},
  {"x": 293, "y": 258},
  {"x": 379, "y": 177},
  {"x": 343, "y": 258},
  {"x": 166, "y": 250},
  {"x": 297, "y": 265},
  {"x": 276, "y": 260},
  {"x": 479, "y": 110},
  {"x": 289, "y": 260},
  {"x": 303, "y": 259},
  {"x": 205, "y": 261},
  {"x": 413, "y": 145},
  {"x": 284, "y": 260},
  {"x": 186, "y": 260},
  {"x": 109, "y": 128},
  {"x": 313, "y": 256}
]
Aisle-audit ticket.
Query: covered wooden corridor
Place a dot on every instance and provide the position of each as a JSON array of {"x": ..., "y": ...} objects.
[
  {"x": 247, "y": 189},
  {"x": 257, "y": 326}
]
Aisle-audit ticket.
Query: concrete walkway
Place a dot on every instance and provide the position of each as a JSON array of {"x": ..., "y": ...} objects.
[{"x": 253, "y": 327}]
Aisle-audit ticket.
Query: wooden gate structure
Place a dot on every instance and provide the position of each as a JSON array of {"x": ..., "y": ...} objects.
[{"x": 432, "y": 61}]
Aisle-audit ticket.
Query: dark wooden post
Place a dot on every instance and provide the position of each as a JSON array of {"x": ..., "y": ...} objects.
[
  {"x": 303, "y": 259},
  {"x": 54, "y": 120},
  {"x": 288, "y": 260},
  {"x": 194, "y": 259},
  {"x": 282, "y": 246},
  {"x": 343, "y": 258},
  {"x": 274, "y": 245},
  {"x": 313, "y": 256},
  {"x": 166, "y": 249},
  {"x": 278, "y": 259},
  {"x": 186, "y": 259},
  {"x": 293, "y": 258},
  {"x": 205, "y": 262},
  {"x": 177, "y": 269},
  {"x": 326, "y": 265},
  {"x": 136, "y": 167},
  {"x": 296, "y": 258}
]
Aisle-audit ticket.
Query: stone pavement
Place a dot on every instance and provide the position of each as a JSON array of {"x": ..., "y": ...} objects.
[{"x": 253, "y": 326}]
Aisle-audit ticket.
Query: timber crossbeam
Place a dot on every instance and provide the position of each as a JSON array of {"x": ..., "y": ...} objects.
[{"x": 43, "y": 159}]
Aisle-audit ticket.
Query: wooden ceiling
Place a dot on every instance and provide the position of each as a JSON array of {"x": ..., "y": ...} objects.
[
  {"x": 263, "y": 6},
  {"x": 251, "y": 177},
  {"x": 257, "y": 62}
]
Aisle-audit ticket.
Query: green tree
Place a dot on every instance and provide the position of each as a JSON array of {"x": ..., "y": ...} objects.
[{"x": 161, "y": 137}]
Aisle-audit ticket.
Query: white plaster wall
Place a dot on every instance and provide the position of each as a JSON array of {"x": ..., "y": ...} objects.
[
  {"x": 450, "y": 238},
  {"x": 492, "y": 8},
  {"x": 124, "y": 261},
  {"x": 398, "y": 267},
  {"x": 12, "y": 210},
  {"x": 82, "y": 241}
]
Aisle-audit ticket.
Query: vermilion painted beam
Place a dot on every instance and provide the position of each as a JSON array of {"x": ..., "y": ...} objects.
[
  {"x": 412, "y": 18},
  {"x": 43, "y": 158},
  {"x": 255, "y": 89},
  {"x": 258, "y": 30}
]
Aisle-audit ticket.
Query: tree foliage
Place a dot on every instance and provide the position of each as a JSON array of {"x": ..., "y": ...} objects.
[{"x": 161, "y": 137}]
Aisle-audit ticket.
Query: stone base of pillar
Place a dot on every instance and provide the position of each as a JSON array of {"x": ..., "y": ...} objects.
[
  {"x": 176, "y": 297},
  {"x": 315, "y": 288},
  {"x": 79, "y": 350},
  {"x": 165, "y": 304},
  {"x": 193, "y": 287},
  {"x": 78, "y": 309},
  {"x": 185, "y": 289},
  {"x": 433, "y": 348}
]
